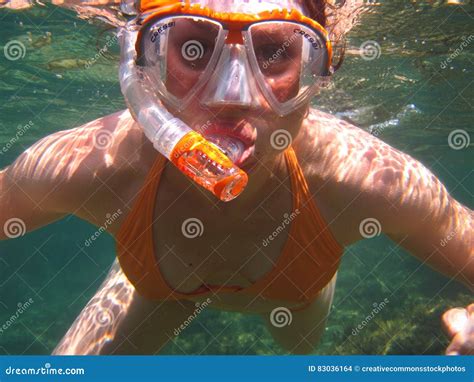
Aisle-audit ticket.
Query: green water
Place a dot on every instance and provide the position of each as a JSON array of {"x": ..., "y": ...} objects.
[{"x": 405, "y": 96}]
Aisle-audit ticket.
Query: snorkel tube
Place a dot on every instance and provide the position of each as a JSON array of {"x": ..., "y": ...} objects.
[{"x": 202, "y": 161}]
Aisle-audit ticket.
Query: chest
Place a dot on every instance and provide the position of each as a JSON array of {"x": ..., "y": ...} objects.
[{"x": 216, "y": 245}]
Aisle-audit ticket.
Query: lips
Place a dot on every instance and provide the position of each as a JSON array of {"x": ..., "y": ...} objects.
[{"x": 243, "y": 132}]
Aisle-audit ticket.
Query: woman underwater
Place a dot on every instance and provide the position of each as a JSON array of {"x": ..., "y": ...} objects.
[{"x": 239, "y": 74}]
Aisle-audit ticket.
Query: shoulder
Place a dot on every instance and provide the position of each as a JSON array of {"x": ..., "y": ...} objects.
[
  {"x": 337, "y": 150},
  {"x": 84, "y": 159},
  {"x": 352, "y": 174}
]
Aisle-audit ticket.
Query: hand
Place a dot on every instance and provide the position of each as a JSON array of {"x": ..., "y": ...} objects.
[{"x": 459, "y": 324}]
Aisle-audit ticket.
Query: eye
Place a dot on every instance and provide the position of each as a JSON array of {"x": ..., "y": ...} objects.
[
  {"x": 273, "y": 58},
  {"x": 271, "y": 51}
]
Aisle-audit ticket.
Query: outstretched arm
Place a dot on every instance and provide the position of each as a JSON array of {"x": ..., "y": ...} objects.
[
  {"x": 32, "y": 192},
  {"x": 370, "y": 179},
  {"x": 48, "y": 180},
  {"x": 439, "y": 231},
  {"x": 428, "y": 221}
]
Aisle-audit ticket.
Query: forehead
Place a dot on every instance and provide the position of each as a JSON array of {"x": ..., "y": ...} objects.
[{"x": 251, "y": 6}]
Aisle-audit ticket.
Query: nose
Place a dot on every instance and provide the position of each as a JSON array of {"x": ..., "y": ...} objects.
[{"x": 232, "y": 82}]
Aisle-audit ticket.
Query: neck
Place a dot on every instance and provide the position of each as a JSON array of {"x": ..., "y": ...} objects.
[{"x": 263, "y": 179}]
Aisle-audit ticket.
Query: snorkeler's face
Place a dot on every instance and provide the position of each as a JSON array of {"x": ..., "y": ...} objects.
[
  {"x": 253, "y": 127},
  {"x": 253, "y": 124},
  {"x": 236, "y": 78}
]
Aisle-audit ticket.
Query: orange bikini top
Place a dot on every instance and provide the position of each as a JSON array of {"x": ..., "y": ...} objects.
[{"x": 310, "y": 257}]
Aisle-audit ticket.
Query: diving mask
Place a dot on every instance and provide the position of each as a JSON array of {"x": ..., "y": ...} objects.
[
  {"x": 175, "y": 51},
  {"x": 232, "y": 58}
]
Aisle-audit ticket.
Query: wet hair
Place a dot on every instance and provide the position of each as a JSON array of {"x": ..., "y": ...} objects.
[
  {"x": 337, "y": 17},
  {"x": 317, "y": 10}
]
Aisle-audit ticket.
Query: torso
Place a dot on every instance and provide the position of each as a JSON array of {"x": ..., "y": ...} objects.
[{"x": 227, "y": 252}]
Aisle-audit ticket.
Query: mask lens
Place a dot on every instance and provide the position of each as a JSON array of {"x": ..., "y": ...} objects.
[
  {"x": 290, "y": 57},
  {"x": 177, "y": 53}
]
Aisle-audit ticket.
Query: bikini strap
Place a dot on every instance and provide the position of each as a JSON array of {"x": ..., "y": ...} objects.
[
  {"x": 302, "y": 197},
  {"x": 144, "y": 199},
  {"x": 301, "y": 192}
]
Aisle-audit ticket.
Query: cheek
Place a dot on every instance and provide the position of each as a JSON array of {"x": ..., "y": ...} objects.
[{"x": 286, "y": 86}]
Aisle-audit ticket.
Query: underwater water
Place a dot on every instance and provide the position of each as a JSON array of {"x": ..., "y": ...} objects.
[{"x": 412, "y": 86}]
